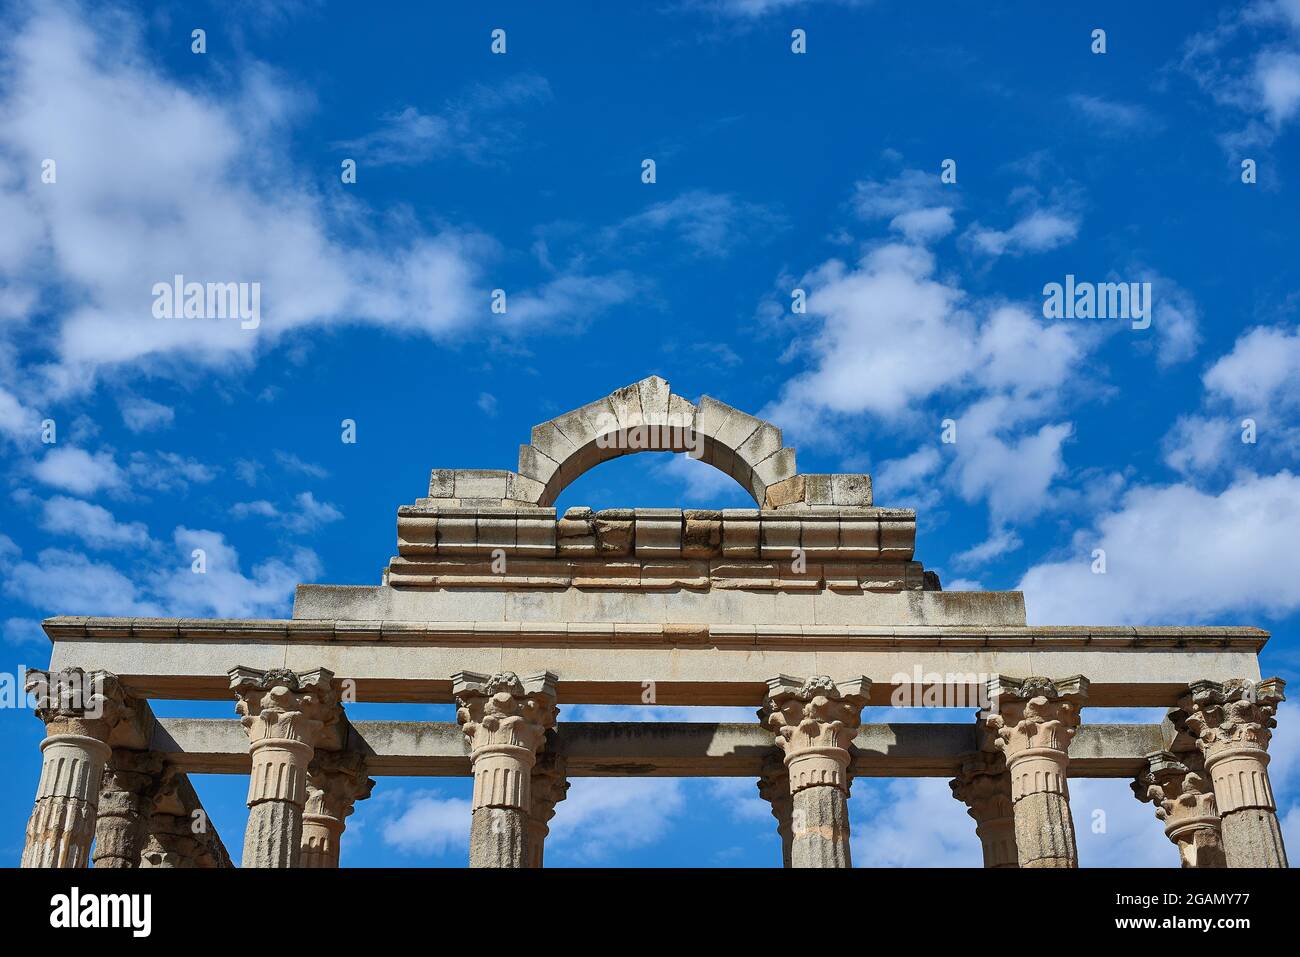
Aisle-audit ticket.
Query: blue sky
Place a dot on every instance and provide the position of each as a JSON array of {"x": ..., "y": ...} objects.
[{"x": 774, "y": 171}]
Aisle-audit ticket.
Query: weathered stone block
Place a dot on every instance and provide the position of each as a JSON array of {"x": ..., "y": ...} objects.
[
  {"x": 702, "y": 533},
  {"x": 786, "y": 493},
  {"x": 442, "y": 483},
  {"x": 854, "y": 490}
]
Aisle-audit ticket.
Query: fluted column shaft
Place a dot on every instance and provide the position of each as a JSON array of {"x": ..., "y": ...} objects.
[
  {"x": 125, "y": 799},
  {"x": 79, "y": 710},
  {"x": 1033, "y": 721},
  {"x": 1232, "y": 724},
  {"x": 285, "y": 716},
  {"x": 815, "y": 722},
  {"x": 505, "y": 720}
]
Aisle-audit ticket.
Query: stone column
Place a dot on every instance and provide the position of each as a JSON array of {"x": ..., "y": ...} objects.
[
  {"x": 815, "y": 722},
  {"x": 774, "y": 788},
  {"x": 1033, "y": 721},
  {"x": 1184, "y": 798},
  {"x": 549, "y": 786},
  {"x": 80, "y": 710},
  {"x": 1231, "y": 724},
  {"x": 285, "y": 715},
  {"x": 336, "y": 780},
  {"x": 984, "y": 786},
  {"x": 125, "y": 795},
  {"x": 505, "y": 720},
  {"x": 171, "y": 843}
]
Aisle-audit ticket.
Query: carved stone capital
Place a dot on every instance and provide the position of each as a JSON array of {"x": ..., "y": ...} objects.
[
  {"x": 1230, "y": 716},
  {"x": 549, "y": 786},
  {"x": 505, "y": 719},
  {"x": 1183, "y": 795},
  {"x": 286, "y": 715},
  {"x": 1033, "y": 717},
  {"x": 815, "y": 722},
  {"x": 336, "y": 780},
  {"x": 982, "y": 786},
  {"x": 76, "y": 702}
]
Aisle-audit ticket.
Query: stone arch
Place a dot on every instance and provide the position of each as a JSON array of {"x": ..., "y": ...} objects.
[{"x": 645, "y": 417}]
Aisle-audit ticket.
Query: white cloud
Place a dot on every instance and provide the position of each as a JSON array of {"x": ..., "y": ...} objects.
[
  {"x": 93, "y": 524},
  {"x": 756, "y": 9},
  {"x": 25, "y": 631},
  {"x": 995, "y": 546},
  {"x": 1112, "y": 116},
  {"x": 916, "y": 203},
  {"x": 143, "y": 415},
  {"x": 710, "y": 224},
  {"x": 1037, "y": 231},
  {"x": 1178, "y": 555},
  {"x": 1261, "y": 372},
  {"x": 702, "y": 482},
  {"x": 602, "y": 816},
  {"x": 78, "y": 471},
  {"x": 1199, "y": 445},
  {"x": 429, "y": 824},
  {"x": 158, "y": 177},
  {"x": 1277, "y": 76},
  {"x": 66, "y": 582},
  {"x": 910, "y": 823},
  {"x": 470, "y": 126},
  {"x": 487, "y": 404},
  {"x": 305, "y": 515}
]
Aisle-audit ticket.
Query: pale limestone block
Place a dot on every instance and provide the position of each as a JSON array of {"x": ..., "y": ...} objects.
[
  {"x": 780, "y": 538},
  {"x": 851, "y": 490},
  {"x": 496, "y": 531},
  {"x": 442, "y": 483},
  {"x": 777, "y": 467},
  {"x": 481, "y": 483},
  {"x": 654, "y": 393},
  {"x": 859, "y": 537},
  {"x": 764, "y": 441},
  {"x": 740, "y": 533},
  {"x": 535, "y": 465},
  {"x": 658, "y": 532},
  {"x": 458, "y": 532},
  {"x": 553, "y": 442},
  {"x": 521, "y": 488},
  {"x": 535, "y": 534},
  {"x": 820, "y": 538},
  {"x": 818, "y": 490},
  {"x": 626, "y": 403}
]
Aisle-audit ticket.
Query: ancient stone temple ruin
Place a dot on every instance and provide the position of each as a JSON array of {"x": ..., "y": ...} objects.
[{"x": 807, "y": 608}]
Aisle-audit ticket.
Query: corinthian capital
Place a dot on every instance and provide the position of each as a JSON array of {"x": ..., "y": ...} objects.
[
  {"x": 983, "y": 786},
  {"x": 1033, "y": 713},
  {"x": 73, "y": 701},
  {"x": 502, "y": 710},
  {"x": 1178, "y": 787},
  {"x": 336, "y": 780},
  {"x": 1230, "y": 715},
  {"x": 815, "y": 721},
  {"x": 282, "y": 705}
]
